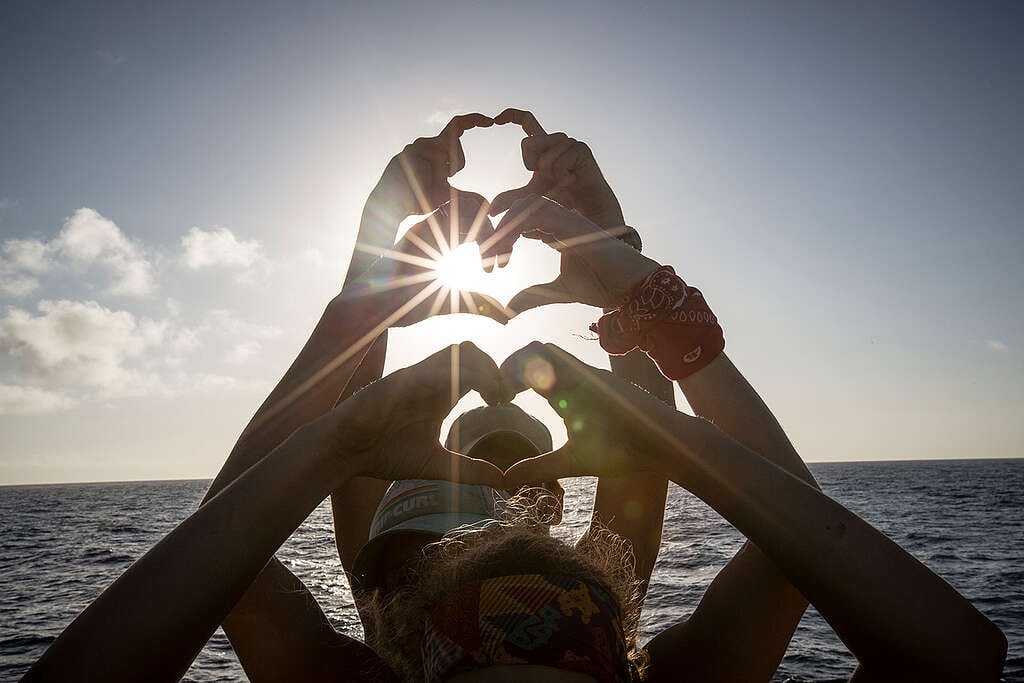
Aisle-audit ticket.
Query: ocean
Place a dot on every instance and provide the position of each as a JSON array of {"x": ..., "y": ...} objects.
[{"x": 60, "y": 545}]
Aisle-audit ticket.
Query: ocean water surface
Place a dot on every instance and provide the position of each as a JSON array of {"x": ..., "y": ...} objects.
[{"x": 60, "y": 545}]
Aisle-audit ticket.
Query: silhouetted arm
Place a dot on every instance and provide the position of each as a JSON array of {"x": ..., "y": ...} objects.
[
  {"x": 150, "y": 623},
  {"x": 745, "y": 619},
  {"x": 633, "y": 505},
  {"x": 898, "y": 618}
]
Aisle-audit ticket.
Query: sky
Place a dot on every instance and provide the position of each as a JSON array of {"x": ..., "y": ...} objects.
[{"x": 181, "y": 183}]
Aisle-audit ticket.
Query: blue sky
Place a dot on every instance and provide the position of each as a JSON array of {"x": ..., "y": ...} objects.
[{"x": 180, "y": 186}]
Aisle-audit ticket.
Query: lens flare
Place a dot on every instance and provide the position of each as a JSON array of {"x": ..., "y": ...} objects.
[{"x": 539, "y": 374}]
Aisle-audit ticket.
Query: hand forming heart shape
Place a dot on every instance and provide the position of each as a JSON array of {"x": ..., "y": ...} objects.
[{"x": 564, "y": 170}]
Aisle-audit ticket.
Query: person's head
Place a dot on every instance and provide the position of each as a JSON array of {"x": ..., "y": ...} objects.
[
  {"x": 413, "y": 513},
  {"x": 490, "y": 603}
]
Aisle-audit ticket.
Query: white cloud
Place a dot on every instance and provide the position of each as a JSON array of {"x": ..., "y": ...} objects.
[
  {"x": 996, "y": 346},
  {"x": 184, "y": 341},
  {"x": 88, "y": 239},
  {"x": 21, "y": 262},
  {"x": 18, "y": 400},
  {"x": 227, "y": 324},
  {"x": 29, "y": 255},
  {"x": 217, "y": 247},
  {"x": 242, "y": 352},
  {"x": 7, "y": 203},
  {"x": 16, "y": 284},
  {"x": 81, "y": 343}
]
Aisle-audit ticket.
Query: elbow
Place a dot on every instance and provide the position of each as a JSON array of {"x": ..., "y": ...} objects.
[
  {"x": 981, "y": 658},
  {"x": 994, "y": 654}
]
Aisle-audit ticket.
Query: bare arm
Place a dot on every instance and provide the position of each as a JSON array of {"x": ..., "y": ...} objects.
[
  {"x": 150, "y": 623},
  {"x": 277, "y": 629},
  {"x": 896, "y": 616},
  {"x": 743, "y": 624},
  {"x": 633, "y": 505},
  {"x": 564, "y": 169},
  {"x": 345, "y": 353}
]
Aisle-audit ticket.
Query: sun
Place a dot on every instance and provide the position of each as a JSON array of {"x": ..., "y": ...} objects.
[{"x": 459, "y": 269}]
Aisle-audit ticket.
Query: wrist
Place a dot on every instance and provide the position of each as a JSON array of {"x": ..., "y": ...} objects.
[{"x": 385, "y": 203}]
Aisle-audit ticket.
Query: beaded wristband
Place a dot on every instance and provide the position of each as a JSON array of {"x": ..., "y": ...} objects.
[{"x": 667, "y": 319}]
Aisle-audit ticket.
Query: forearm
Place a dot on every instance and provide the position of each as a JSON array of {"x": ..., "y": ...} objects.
[
  {"x": 771, "y": 608},
  {"x": 633, "y": 506},
  {"x": 378, "y": 228},
  {"x": 888, "y": 608},
  {"x": 722, "y": 395},
  {"x": 314, "y": 382},
  {"x": 309, "y": 388},
  {"x": 151, "y": 622}
]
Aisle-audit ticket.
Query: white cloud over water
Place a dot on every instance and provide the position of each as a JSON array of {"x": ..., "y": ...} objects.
[{"x": 79, "y": 343}]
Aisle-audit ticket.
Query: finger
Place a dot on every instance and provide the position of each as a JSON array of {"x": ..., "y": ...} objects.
[
  {"x": 469, "y": 211},
  {"x": 462, "y": 219},
  {"x": 449, "y": 139},
  {"x": 536, "y": 147},
  {"x": 545, "y": 368},
  {"x": 477, "y": 304},
  {"x": 451, "y": 466},
  {"x": 506, "y": 199},
  {"x": 557, "y": 464},
  {"x": 563, "y": 167},
  {"x": 439, "y": 155},
  {"x": 463, "y": 122},
  {"x": 526, "y": 120},
  {"x": 527, "y": 213},
  {"x": 540, "y": 295},
  {"x": 461, "y": 368}
]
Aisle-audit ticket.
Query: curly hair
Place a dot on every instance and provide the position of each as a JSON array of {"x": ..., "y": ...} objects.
[{"x": 516, "y": 545}]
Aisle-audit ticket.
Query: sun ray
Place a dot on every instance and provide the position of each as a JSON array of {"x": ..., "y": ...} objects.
[
  {"x": 423, "y": 245},
  {"x": 414, "y": 183},
  {"x": 420, "y": 261},
  {"x": 512, "y": 225},
  {"x": 435, "y": 229},
  {"x": 439, "y": 301},
  {"x": 455, "y": 375},
  {"x": 359, "y": 347}
]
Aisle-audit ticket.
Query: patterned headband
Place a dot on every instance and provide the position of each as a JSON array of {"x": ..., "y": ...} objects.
[{"x": 545, "y": 620}]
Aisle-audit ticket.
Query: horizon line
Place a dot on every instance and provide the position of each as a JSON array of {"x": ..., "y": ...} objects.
[{"x": 183, "y": 479}]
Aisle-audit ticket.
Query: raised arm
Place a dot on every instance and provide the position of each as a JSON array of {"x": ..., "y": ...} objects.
[
  {"x": 150, "y": 623},
  {"x": 899, "y": 619},
  {"x": 415, "y": 181},
  {"x": 277, "y": 623},
  {"x": 565, "y": 170}
]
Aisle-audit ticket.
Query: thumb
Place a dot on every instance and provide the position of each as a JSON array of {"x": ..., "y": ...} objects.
[
  {"x": 557, "y": 464},
  {"x": 472, "y": 200},
  {"x": 460, "y": 469},
  {"x": 553, "y": 292},
  {"x": 478, "y": 304},
  {"x": 509, "y": 197}
]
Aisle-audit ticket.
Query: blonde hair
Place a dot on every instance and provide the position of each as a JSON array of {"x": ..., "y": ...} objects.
[{"x": 515, "y": 545}]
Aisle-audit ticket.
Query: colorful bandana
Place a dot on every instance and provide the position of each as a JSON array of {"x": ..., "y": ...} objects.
[
  {"x": 669, "y": 320},
  {"x": 536, "y": 619}
]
